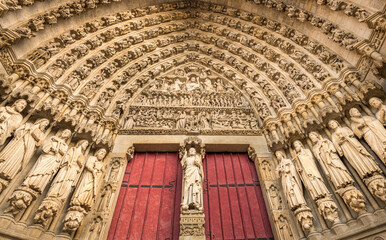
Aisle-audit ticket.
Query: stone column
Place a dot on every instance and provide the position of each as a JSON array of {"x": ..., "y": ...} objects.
[{"x": 192, "y": 218}]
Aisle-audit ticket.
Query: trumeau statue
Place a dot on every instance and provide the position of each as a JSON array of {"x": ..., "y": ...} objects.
[
  {"x": 328, "y": 158},
  {"x": 10, "y": 119},
  {"x": 380, "y": 107},
  {"x": 309, "y": 172},
  {"x": 48, "y": 163},
  {"x": 18, "y": 152},
  {"x": 292, "y": 186},
  {"x": 192, "y": 198},
  {"x": 346, "y": 144},
  {"x": 371, "y": 130}
]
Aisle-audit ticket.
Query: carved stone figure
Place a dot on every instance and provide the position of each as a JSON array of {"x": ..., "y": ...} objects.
[
  {"x": 64, "y": 181},
  {"x": 106, "y": 198},
  {"x": 328, "y": 158},
  {"x": 346, "y": 144},
  {"x": 284, "y": 228},
  {"x": 84, "y": 195},
  {"x": 380, "y": 107},
  {"x": 10, "y": 119},
  {"x": 371, "y": 130},
  {"x": 86, "y": 191},
  {"x": 292, "y": 188},
  {"x": 192, "y": 183},
  {"x": 41, "y": 173},
  {"x": 309, "y": 172},
  {"x": 48, "y": 163},
  {"x": 275, "y": 198},
  {"x": 16, "y": 155}
]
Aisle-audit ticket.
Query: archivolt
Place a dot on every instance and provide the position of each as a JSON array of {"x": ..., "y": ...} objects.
[{"x": 277, "y": 67}]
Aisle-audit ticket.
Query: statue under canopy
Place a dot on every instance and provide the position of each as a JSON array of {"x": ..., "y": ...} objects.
[
  {"x": 371, "y": 130},
  {"x": 380, "y": 107},
  {"x": 10, "y": 119},
  {"x": 192, "y": 197},
  {"x": 19, "y": 151}
]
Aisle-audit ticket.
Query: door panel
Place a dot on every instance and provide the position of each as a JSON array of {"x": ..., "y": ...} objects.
[
  {"x": 234, "y": 205},
  {"x": 149, "y": 200}
]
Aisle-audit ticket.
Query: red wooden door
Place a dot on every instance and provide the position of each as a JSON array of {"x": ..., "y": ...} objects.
[
  {"x": 149, "y": 201},
  {"x": 233, "y": 201}
]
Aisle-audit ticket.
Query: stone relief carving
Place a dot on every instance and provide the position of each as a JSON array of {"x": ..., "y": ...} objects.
[
  {"x": 41, "y": 173},
  {"x": 85, "y": 193},
  {"x": 19, "y": 151},
  {"x": 346, "y": 144}
]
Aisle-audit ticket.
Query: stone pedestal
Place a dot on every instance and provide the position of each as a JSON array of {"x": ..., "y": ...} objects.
[{"x": 192, "y": 226}]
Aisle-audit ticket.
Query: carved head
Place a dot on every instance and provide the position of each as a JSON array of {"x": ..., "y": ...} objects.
[
  {"x": 333, "y": 124},
  {"x": 314, "y": 136},
  {"x": 43, "y": 123},
  {"x": 375, "y": 102},
  {"x": 66, "y": 134},
  {"x": 354, "y": 112},
  {"x": 192, "y": 151},
  {"x": 20, "y": 104},
  {"x": 100, "y": 154},
  {"x": 280, "y": 155},
  {"x": 298, "y": 145},
  {"x": 83, "y": 144}
]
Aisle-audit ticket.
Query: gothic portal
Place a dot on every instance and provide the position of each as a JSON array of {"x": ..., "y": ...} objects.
[{"x": 189, "y": 119}]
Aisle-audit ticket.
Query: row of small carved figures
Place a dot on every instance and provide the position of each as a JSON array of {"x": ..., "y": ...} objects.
[{"x": 214, "y": 101}]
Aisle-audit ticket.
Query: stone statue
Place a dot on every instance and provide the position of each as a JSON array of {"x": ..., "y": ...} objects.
[
  {"x": 71, "y": 166},
  {"x": 381, "y": 109},
  {"x": 285, "y": 232},
  {"x": 292, "y": 188},
  {"x": 346, "y": 144},
  {"x": 65, "y": 180},
  {"x": 10, "y": 119},
  {"x": 309, "y": 171},
  {"x": 16, "y": 155},
  {"x": 371, "y": 130},
  {"x": 106, "y": 197},
  {"x": 328, "y": 158},
  {"x": 192, "y": 182},
  {"x": 86, "y": 191},
  {"x": 41, "y": 173},
  {"x": 48, "y": 163}
]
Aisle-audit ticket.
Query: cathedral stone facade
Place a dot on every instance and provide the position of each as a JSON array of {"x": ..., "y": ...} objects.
[{"x": 192, "y": 119}]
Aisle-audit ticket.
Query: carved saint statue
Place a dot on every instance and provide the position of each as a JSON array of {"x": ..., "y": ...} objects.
[
  {"x": 346, "y": 144},
  {"x": 308, "y": 170},
  {"x": 328, "y": 158},
  {"x": 10, "y": 119},
  {"x": 371, "y": 130},
  {"x": 48, "y": 162},
  {"x": 70, "y": 168},
  {"x": 381, "y": 109},
  {"x": 284, "y": 228},
  {"x": 15, "y": 156},
  {"x": 85, "y": 193},
  {"x": 292, "y": 188},
  {"x": 192, "y": 197}
]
